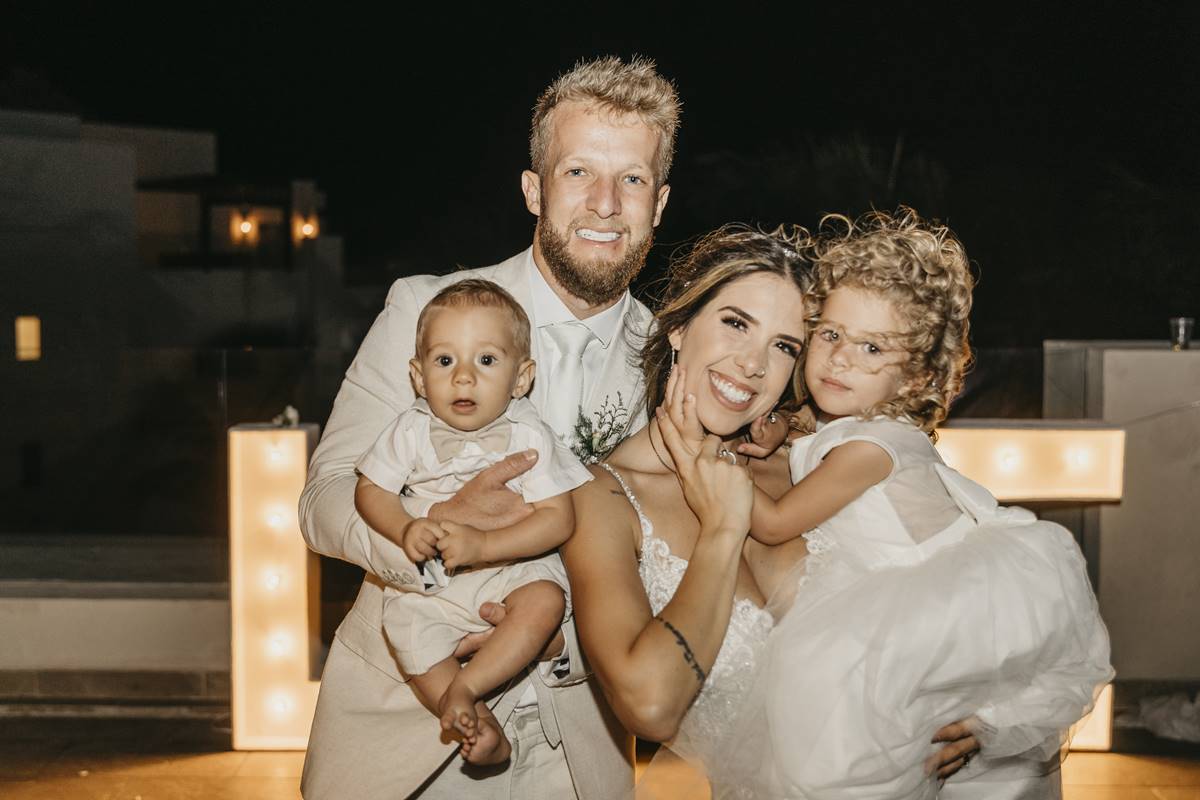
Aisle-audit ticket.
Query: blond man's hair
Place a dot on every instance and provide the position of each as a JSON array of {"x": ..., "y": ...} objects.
[
  {"x": 478, "y": 293},
  {"x": 616, "y": 87}
]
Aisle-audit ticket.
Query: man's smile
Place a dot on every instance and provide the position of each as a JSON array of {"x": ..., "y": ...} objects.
[{"x": 594, "y": 235}]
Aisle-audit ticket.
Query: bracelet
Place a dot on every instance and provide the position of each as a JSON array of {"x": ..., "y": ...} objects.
[{"x": 688, "y": 655}]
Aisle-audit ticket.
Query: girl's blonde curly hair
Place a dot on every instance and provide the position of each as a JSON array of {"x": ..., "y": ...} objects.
[{"x": 922, "y": 267}]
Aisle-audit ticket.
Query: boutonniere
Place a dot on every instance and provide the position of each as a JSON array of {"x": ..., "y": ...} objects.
[{"x": 598, "y": 434}]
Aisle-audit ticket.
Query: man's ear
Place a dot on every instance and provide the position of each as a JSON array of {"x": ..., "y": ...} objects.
[
  {"x": 525, "y": 375},
  {"x": 417, "y": 378},
  {"x": 531, "y": 187},
  {"x": 660, "y": 202}
]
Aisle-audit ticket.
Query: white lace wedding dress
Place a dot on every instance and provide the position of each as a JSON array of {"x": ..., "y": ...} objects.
[{"x": 702, "y": 733}]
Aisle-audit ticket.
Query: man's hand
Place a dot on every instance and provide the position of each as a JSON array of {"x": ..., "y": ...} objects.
[
  {"x": 767, "y": 433},
  {"x": 420, "y": 541},
  {"x": 484, "y": 502},
  {"x": 491, "y": 613},
  {"x": 462, "y": 546},
  {"x": 961, "y": 746}
]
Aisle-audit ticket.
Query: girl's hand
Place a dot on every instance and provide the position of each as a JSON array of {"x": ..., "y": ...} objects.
[
  {"x": 767, "y": 433},
  {"x": 719, "y": 492}
]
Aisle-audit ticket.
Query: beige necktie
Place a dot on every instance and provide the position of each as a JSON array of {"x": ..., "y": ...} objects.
[{"x": 564, "y": 394}]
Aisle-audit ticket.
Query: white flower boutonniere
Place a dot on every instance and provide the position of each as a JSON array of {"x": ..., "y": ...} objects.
[{"x": 597, "y": 435}]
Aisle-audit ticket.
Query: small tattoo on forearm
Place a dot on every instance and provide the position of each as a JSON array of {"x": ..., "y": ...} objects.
[{"x": 688, "y": 655}]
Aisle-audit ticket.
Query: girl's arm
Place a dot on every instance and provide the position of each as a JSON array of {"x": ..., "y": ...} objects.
[
  {"x": 846, "y": 472},
  {"x": 546, "y": 528}
]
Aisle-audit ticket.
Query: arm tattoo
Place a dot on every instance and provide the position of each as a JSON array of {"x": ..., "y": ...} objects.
[{"x": 688, "y": 655}]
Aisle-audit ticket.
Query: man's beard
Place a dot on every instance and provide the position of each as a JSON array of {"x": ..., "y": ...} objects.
[{"x": 594, "y": 282}]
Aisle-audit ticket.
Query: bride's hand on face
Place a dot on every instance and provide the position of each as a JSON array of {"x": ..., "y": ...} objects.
[
  {"x": 719, "y": 492},
  {"x": 685, "y": 420}
]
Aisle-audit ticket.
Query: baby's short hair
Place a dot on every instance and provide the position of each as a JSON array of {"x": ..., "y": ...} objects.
[{"x": 476, "y": 292}]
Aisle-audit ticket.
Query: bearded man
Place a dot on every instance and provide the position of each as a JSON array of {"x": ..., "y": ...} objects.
[{"x": 602, "y": 140}]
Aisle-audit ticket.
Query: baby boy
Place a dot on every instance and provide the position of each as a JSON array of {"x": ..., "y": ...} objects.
[{"x": 471, "y": 373}]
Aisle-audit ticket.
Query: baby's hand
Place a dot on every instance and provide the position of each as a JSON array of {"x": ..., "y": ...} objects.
[
  {"x": 421, "y": 537},
  {"x": 462, "y": 545},
  {"x": 766, "y": 434}
]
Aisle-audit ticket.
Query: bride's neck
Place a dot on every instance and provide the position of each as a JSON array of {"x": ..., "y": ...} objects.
[{"x": 651, "y": 452}]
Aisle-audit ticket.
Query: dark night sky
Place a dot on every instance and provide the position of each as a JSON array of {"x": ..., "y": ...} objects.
[{"x": 1059, "y": 142}]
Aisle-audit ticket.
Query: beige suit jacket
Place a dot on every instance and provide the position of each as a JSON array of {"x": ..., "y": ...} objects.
[{"x": 350, "y": 755}]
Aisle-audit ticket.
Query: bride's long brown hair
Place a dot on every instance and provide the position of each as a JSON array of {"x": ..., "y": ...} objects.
[{"x": 717, "y": 259}]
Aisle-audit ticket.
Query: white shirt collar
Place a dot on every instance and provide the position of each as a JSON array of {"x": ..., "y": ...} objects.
[{"x": 549, "y": 309}]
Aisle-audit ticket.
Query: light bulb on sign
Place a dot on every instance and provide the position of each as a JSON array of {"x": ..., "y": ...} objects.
[
  {"x": 1008, "y": 459},
  {"x": 272, "y": 580},
  {"x": 308, "y": 230},
  {"x": 278, "y": 645},
  {"x": 275, "y": 456},
  {"x": 246, "y": 226},
  {"x": 1078, "y": 458},
  {"x": 280, "y": 704},
  {"x": 277, "y": 517}
]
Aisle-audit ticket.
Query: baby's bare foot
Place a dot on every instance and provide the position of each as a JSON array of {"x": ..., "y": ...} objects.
[
  {"x": 488, "y": 745},
  {"x": 467, "y": 743},
  {"x": 457, "y": 709}
]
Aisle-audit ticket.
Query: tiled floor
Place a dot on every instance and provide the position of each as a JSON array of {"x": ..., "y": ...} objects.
[
  {"x": 165, "y": 759},
  {"x": 158, "y": 759},
  {"x": 1112, "y": 776}
]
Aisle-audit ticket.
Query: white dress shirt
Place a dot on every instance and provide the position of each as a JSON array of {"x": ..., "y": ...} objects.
[{"x": 548, "y": 309}]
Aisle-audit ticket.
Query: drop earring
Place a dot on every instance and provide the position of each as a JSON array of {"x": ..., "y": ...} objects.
[{"x": 673, "y": 352}]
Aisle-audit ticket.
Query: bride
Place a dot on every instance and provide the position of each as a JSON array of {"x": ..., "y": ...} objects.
[{"x": 668, "y": 592}]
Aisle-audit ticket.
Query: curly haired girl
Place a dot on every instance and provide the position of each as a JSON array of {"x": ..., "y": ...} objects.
[{"x": 922, "y": 601}]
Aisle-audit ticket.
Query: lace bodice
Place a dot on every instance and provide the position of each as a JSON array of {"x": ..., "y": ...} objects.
[{"x": 727, "y": 681}]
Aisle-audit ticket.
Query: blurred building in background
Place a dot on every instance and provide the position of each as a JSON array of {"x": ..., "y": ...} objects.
[
  {"x": 149, "y": 279},
  {"x": 149, "y": 302}
]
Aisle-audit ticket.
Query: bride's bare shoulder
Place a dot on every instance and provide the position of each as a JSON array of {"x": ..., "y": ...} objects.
[{"x": 602, "y": 494}]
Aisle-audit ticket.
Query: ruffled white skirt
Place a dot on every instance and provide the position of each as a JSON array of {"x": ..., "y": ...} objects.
[{"x": 866, "y": 665}]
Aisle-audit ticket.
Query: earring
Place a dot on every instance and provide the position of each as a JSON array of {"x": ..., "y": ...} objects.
[{"x": 673, "y": 352}]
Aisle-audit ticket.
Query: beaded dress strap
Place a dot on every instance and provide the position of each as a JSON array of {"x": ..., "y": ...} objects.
[{"x": 633, "y": 501}]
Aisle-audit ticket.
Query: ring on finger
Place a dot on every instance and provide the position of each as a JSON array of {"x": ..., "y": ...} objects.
[
  {"x": 967, "y": 758},
  {"x": 726, "y": 452}
]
